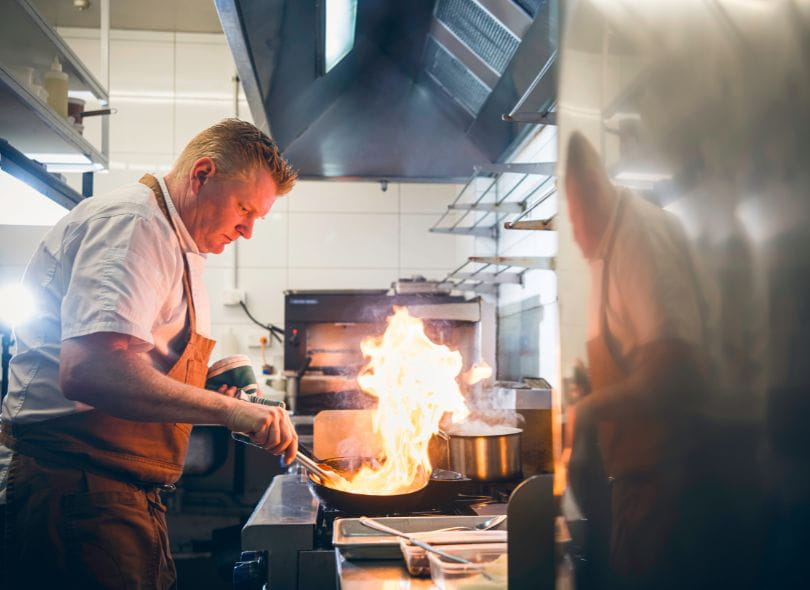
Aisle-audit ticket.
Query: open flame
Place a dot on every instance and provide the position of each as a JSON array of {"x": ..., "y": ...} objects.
[{"x": 414, "y": 381}]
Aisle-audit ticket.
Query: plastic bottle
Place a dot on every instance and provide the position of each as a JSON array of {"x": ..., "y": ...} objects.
[{"x": 56, "y": 83}]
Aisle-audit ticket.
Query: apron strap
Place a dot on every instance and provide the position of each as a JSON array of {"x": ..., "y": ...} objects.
[
  {"x": 152, "y": 182},
  {"x": 610, "y": 342}
]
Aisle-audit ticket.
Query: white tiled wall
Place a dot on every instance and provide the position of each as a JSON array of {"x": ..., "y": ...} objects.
[{"x": 323, "y": 235}]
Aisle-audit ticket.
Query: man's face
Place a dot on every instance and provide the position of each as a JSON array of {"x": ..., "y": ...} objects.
[{"x": 227, "y": 209}]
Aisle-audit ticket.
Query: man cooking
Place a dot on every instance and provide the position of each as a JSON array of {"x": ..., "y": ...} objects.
[
  {"x": 107, "y": 383},
  {"x": 647, "y": 361}
]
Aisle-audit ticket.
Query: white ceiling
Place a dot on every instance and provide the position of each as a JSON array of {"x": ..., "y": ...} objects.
[{"x": 190, "y": 16}]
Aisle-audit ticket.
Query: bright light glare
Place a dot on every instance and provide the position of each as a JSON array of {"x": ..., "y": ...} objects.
[
  {"x": 48, "y": 158},
  {"x": 20, "y": 204},
  {"x": 18, "y": 304},
  {"x": 341, "y": 18}
]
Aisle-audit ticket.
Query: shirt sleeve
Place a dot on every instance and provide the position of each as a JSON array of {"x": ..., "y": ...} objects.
[
  {"x": 660, "y": 297},
  {"x": 122, "y": 271}
]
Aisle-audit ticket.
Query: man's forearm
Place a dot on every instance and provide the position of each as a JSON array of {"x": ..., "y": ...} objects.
[{"x": 123, "y": 384}]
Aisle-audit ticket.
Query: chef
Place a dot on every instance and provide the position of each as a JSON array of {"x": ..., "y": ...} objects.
[
  {"x": 108, "y": 381},
  {"x": 648, "y": 370}
]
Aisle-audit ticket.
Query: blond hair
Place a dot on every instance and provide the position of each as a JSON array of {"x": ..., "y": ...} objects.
[{"x": 237, "y": 148}]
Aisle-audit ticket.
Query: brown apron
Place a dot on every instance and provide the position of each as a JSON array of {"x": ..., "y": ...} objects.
[
  {"x": 647, "y": 474},
  {"x": 83, "y": 489}
]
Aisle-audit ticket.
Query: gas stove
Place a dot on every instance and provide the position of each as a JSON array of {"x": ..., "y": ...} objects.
[{"x": 288, "y": 538}]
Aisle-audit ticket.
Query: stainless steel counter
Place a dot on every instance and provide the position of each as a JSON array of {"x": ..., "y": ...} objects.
[
  {"x": 282, "y": 525},
  {"x": 377, "y": 575}
]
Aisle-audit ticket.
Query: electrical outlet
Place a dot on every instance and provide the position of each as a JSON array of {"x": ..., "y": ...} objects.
[
  {"x": 232, "y": 297},
  {"x": 254, "y": 338}
]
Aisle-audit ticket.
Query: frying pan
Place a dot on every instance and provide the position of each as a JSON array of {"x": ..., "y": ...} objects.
[{"x": 439, "y": 490}]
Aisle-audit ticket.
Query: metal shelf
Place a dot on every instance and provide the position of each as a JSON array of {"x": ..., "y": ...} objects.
[
  {"x": 492, "y": 207},
  {"x": 478, "y": 278},
  {"x": 35, "y": 129},
  {"x": 27, "y": 122},
  {"x": 484, "y": 274},
  {"x": 26, "y": 39},
  {"x": 522, "y": 262}
]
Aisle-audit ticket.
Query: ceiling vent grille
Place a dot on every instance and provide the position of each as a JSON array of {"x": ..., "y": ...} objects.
[
  {"x": 455, "y": 78},
  {"x": 479, "y": 30}
]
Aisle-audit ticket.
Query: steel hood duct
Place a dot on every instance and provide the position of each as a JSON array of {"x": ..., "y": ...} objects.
[{"x": 418, "y": 98}]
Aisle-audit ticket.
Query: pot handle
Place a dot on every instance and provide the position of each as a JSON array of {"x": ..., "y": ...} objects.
[{"x": 108, "y": 111}]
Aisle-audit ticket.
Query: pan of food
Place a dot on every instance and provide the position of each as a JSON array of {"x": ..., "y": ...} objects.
[
  {"x": 326, "y": 476},
  {"x": 437, "y": 490}
]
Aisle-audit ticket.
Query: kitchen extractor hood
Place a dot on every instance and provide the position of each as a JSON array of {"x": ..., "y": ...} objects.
[{"x": 418, "y": 96}]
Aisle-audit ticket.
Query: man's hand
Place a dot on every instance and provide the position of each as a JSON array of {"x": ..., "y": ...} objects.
[
  {"x": 229, "y": 391},
  {"x": 267, "y": 426}
]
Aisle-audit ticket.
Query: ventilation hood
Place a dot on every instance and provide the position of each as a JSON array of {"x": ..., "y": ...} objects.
[{"x": 420, "y": 95}]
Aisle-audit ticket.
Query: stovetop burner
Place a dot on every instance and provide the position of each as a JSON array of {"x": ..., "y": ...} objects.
[{"x": 479, "y": 495}]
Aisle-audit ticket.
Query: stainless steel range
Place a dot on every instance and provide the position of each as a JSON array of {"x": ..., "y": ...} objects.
[
  {"x": 290, "y": 531},
  {"x": 287, "y": 542}
]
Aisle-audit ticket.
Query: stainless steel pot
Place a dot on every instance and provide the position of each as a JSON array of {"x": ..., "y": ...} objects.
[{"x": 486, "y": 457}]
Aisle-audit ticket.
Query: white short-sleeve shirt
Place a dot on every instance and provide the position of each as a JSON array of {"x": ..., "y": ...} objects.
[
  {"x": 113, "y": 264},
  {"x": 652, "y": 293}
]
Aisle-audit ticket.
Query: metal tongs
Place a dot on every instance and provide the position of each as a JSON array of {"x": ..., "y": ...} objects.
[
  {"x": 301, "y": 458},
  {"x": 312, "y": 466}
]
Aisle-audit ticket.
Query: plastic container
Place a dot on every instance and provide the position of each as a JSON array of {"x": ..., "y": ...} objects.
[
  {"x": 487, "y": 572},
  {"x": 24, "y": 75},
  {"x": 55, "y": 82}
]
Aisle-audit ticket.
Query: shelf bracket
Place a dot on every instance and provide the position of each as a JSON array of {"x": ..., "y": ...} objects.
[{"x": 532, "y": 262}]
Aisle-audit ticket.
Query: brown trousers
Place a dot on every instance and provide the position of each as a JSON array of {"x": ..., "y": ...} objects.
[{"x": 68, "y": 528}]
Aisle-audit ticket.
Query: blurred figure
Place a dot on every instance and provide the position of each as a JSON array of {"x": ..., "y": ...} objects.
[
  {"x": 649, "y": 375},
  {"x": 589, "y": 485}
]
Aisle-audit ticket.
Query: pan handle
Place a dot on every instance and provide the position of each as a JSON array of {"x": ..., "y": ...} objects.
[{"x": 109, "y": 111}]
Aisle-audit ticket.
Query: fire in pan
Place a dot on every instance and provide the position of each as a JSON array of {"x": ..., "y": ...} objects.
[{"x": 437, "y": 491}]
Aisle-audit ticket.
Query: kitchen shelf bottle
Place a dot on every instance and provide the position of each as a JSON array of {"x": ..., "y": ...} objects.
[{"x": 55, "y": 82}]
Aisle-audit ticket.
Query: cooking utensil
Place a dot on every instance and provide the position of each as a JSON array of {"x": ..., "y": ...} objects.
[
  {"x": 486, "y": 457},
  {"x": 313, "y": 467},
  {"x": 357, "y": 541},
  {"x": 481, "y": 526},
  {"x": 378, "y": 526},
  {"x": 76, "y": 112},
  {"x": 325, "y": 473}
]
